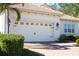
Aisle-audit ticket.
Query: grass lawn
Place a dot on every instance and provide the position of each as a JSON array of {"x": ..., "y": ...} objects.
[{"x": 27, "y": 52}]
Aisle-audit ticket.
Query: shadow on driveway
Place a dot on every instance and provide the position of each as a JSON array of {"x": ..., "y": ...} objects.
[{"x": 52, "y": 46}]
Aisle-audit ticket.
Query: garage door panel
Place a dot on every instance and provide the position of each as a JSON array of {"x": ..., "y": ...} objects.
[{"x": 33, "y": 33}]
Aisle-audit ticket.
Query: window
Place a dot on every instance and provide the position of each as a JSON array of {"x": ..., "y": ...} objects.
[
  {"x": 69, "y": 28},
  {"x": 50, "y": 24},
  {"x": 65, "y": 28},
  {"x": 41, "y": 24},
  {"x": 31, "y": 23},
  {"x": 72, "y": 30},
  {"x": 37, "y": 24},
  {"x": 27, "y": 23},
  {"x": 45, "y": 24},
  {"x": 73, "y": 26},
  {"x": 21, "y": 23},
  {"x": 16, "y": 22}
]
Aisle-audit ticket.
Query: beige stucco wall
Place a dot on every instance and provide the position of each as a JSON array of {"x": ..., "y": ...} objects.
[{"x": 3, "y": 22}]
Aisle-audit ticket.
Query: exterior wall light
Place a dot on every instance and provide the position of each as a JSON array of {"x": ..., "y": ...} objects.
[{"x": 57, "y": 25}]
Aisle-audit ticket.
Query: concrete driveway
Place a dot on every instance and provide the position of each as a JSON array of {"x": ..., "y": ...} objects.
[{"x": 54, "y": 49}]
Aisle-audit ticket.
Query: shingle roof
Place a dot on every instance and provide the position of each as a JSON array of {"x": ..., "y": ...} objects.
[
  {"x": 29, "y": 6},
  {"x": 67, "y": 17}
]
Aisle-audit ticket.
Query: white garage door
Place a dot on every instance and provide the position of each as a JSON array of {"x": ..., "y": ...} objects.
[{"x": 33, "y": 33}]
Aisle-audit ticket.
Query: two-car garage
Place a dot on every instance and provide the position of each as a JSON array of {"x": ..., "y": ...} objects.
[{"x": 33, "y": 32}]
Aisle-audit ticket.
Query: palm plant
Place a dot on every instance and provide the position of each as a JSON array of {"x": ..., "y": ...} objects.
[{"x": 7, "y": 7}]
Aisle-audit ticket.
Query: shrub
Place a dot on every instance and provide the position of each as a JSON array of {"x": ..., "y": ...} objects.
[
  {"x": 77, "y": 39},
  {"x": 76, "y": 36},
  {"x": 63, "y": 38},
  {"x": 68, "y": 38},
  {"x": 77, "y": 42},
  {"x": 71, "y": 38},
  {"x": 11, "y": 44}
]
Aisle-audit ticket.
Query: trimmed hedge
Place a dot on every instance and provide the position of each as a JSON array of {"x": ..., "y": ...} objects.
[
  {"x": 62, "y": 38},
  {"x": 11, "y": 44},
  {"x": 76, "y": 36},
  {"x": 77, "y": 42},
  {"x": 68, "y": 38},
  {"x": 71, "y": 38}
]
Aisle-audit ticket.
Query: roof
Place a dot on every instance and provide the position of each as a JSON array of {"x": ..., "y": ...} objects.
[
  {"x": 67, "y": 17},
  {"x": 29, "y": 6}
]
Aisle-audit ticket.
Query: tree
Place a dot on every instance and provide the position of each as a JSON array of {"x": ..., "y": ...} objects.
[
  {"x": 67, "y": 8},
  {"x": 6, "y": 7},
  {"x": 70, "y": 9},
  {"x": 54, "y": 6}
]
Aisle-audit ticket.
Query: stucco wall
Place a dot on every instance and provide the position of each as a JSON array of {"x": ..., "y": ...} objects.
[{"x": 3, "y": 24}]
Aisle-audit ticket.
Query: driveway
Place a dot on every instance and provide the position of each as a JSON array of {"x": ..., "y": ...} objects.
[{"x": 54, "y": 49}]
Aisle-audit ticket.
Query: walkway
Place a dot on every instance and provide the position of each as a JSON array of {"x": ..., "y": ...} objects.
[{"x": 54, "y": 49}]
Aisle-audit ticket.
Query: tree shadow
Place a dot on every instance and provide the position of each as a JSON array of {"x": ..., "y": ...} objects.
[{"x": 52, "y": 46}]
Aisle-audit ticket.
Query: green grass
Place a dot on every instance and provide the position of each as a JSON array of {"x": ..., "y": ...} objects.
[{"x": 27, "y": 52}]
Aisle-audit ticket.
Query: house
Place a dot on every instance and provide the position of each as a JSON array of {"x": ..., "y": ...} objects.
[{"x": 39, "y": 23}]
